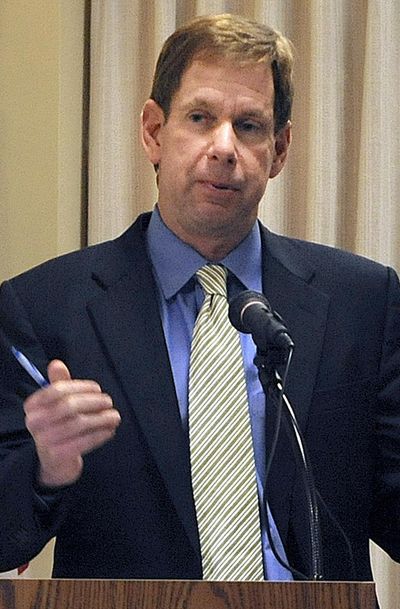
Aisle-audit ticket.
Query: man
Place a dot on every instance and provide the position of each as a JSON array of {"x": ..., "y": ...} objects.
[{"x": 105, "y": 463}]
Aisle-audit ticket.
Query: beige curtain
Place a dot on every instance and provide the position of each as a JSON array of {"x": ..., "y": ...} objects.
[{"x": 342, "y": 183}]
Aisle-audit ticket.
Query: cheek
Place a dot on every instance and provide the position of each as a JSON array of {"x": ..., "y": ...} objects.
[
  {"x": 259, "y": 159},
  {"x": 261, "y": 168},
  {"x": 191, "y": 150},
  {"x": 185, "y": 147},
  {"x": 178, "y": 153}
]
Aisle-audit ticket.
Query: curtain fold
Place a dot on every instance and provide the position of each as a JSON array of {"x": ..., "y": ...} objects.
[
  {"x": 342, "y": 182},
  {"x": 378, "y": 217}
]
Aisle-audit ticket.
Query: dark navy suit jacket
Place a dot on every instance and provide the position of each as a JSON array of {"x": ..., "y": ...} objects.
[{"x": 131, "y": 515}]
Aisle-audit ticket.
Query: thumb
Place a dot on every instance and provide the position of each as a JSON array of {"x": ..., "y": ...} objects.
[{"x": 58, "y": 371}]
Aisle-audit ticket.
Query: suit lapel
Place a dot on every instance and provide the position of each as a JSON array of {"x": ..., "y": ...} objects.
[
  {"x": 288, "y": 285},
  {"x": 127, "y": 321}
]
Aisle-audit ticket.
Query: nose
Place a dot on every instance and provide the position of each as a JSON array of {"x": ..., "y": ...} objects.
[{"x": 223, "y": 144}]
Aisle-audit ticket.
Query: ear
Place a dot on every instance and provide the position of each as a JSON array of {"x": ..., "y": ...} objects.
[
  {"x": 152, "y": 120},
  {"x": 282, "y": 142}
]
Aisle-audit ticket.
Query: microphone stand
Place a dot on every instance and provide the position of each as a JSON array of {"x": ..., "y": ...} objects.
[{"x": 267, "y": 360}]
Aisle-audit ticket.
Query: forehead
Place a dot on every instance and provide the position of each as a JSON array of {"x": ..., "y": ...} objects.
[{"x": 222, "y": 79}]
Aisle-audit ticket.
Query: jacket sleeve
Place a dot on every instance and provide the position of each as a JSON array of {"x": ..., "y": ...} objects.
[
  {"x": 27, "y": 520},
  {"x": 385, "y": 518}
]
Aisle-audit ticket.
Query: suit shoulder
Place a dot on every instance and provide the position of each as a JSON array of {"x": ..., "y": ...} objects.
[
  {"x": 67, "y": 266},
  {"x": 108, "y": 260},
  {"x": 325, "y": 259}
]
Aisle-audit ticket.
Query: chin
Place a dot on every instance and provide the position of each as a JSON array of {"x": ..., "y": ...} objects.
[{"x": 216, "y": 229}]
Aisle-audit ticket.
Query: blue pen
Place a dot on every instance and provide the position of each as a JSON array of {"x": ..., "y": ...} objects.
[{"x": 30, "y": 368}]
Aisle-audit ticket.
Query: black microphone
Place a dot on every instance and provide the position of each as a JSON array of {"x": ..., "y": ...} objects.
[{"x": 251, "y": 313}]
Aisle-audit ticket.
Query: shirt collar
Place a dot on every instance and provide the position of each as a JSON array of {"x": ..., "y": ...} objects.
[{"x": 175, "y": 262}]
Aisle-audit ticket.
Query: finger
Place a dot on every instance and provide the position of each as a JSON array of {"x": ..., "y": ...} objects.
[
  {"x": 64, "y": 408},
  {"x": 95, "y": 440},
  {"x": 58, "y": 371},
  {"x": 74, "y": 439},
  {"x": 55, "y": 396}
]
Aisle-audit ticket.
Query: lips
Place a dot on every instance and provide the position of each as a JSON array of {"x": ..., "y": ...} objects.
[{"x": 227, "y": 186}]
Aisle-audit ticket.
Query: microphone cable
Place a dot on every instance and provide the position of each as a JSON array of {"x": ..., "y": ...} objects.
[
  {"x": 274, "y": 443},
  {"x": 307, "y": 471},
  {"x": 271, "y": 337}
]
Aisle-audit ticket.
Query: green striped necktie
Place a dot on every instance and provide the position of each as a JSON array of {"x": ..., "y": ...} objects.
[{"x": 221, "y": 449}]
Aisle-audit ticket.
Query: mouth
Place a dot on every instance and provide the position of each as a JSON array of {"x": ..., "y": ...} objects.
[{"x": 222, "y": 186}]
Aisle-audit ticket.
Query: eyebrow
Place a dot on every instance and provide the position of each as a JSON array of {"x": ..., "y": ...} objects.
[
  {"x": 202, "y": 103},
  {"x": 197, "y": 102}
]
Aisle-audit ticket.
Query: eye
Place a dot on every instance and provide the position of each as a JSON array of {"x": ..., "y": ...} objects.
[
  {"x": 197, "y": 117},
  {"x": 249, "y": 126}
]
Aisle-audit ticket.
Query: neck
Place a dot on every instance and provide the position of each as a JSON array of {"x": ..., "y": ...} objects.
[
  {"x": 214, "y": 245},
  {"x": 213, "y": 250}
]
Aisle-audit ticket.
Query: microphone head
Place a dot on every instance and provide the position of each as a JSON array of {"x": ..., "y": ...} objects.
[
  {"x": 239, "y": 303},
  {"x": 251, "y": 313}
]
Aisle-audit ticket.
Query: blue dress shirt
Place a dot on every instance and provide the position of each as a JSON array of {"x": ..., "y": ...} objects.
[{"x": 180, "y": 298}]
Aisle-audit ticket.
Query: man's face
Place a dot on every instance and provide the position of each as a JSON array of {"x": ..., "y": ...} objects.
[{"x": 215, "y": 151}]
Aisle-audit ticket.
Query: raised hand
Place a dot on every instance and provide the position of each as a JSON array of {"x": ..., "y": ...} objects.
[{"x": 68, "y": 419}]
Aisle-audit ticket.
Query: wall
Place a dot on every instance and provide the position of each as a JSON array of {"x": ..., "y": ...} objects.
[
  {"x": 41, "y": 57},
  {"x": 41, "y": 100}
]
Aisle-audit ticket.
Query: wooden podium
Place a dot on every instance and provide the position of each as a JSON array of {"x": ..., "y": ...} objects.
[{"x": 161, "y": 594}]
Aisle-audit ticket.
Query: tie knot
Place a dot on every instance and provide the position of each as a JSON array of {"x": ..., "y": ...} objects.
[{"x": 212, "y": 279}]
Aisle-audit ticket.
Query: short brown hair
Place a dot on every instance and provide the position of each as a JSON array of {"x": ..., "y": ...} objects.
[{"x": 232, "y": 37}]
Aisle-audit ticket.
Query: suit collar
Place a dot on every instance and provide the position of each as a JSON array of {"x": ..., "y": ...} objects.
[
  {"x": 289, "y": 284},
  {"x": 165, "y": 249}
]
